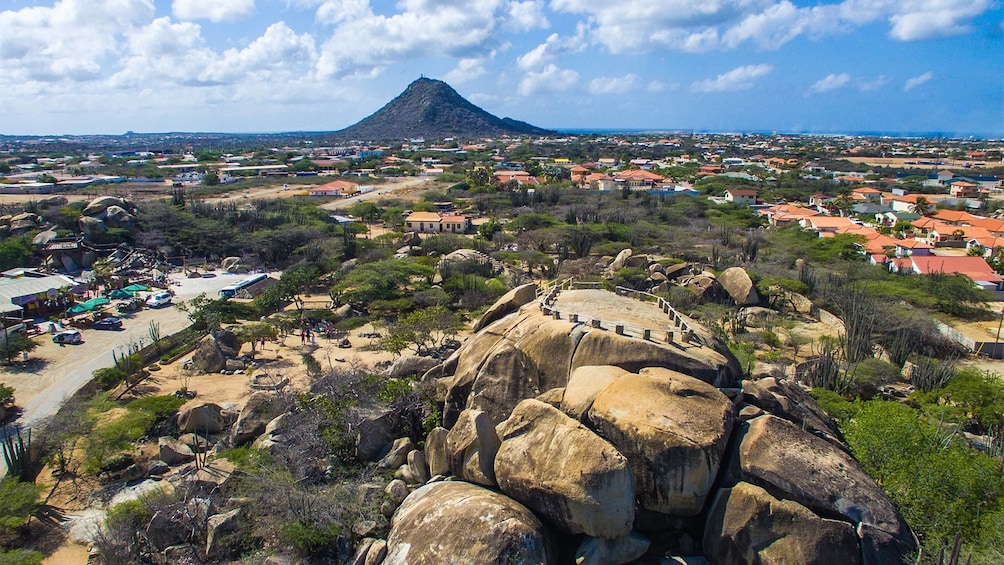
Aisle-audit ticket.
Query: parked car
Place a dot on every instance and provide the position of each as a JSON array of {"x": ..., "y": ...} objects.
[
  {"x": 159, "y": 300},
  {"x": 67, "y": 336},
  {"x": 111, "y": 323}
]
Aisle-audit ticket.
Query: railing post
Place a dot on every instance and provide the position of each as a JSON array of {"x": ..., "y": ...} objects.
[
  {"x": 647, "y": 335},
  {"x": 594, "y": 323},
  {"x": 619, "y": 328},
  {"x": 574, "y": 318}
]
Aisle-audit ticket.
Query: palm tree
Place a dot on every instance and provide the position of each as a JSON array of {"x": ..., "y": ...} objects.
[{"x": 923, "y": 206}]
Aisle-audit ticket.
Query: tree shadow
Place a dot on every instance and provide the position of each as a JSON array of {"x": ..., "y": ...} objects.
[{"x": 32, "y": 365}]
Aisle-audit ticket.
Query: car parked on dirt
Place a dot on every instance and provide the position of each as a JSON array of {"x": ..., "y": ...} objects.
[
  {"x": 67, "y": 336},
  {"x": 110, "y": 323},
  {"x": 159, "y": 300}
]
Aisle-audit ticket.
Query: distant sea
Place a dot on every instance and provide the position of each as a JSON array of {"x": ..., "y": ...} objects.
[{"x": 889, "y": 134}]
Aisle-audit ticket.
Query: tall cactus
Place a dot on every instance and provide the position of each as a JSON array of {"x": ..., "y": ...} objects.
[{"x": 17, "y": 456}]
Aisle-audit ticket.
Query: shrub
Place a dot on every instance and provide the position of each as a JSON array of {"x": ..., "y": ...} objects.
[
  {"x": 108, "y": 378},
  {"x": 869, "y": 374},
  {"x": 21, "y": 557},
  {"x": 18, "y": 501},
  {"x": 307, "y": 538},
  {"x": 161, "y": 407}
]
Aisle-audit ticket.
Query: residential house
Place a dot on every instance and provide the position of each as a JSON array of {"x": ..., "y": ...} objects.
[
  {"x": 741, "y": 196},
  {"x": 868, "y": 192},
  {"x": 434, "y": 222},
  {"x": 786, "y": 214},
  {"x": 335, "y": 188},
  {"x": 710, "y": 170},
  {"x": 976, "y": 268},
  {"x": 820, "y": 200},
  {"x": 963, "y": 189},
  {"x": 892, "y": 217},
  {"x": 911, "y": 247},
  {"x": 599, "y": 181},
  {"x": 988, "y": 246},
  {"x": 521, "y": 177},
  {"x": 824, "y": 224},
  {"x": 638, "y": 179}
]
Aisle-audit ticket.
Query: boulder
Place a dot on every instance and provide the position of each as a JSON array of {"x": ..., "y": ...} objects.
[
  {"x": 673, "y": 429},
  {"x": 234, "y": 366},
  {"x": 359, "y": 557},
  {"x": 398, "y": 453},
  {"x": 790, "y": 401},
  {"x": 408, "y": 365},
  {"x": 85, "y": 528},
  {"x": 457, "y": 522},
  {"x": 586, "y": 489},
  {"x": 435, "y": 451},
  {"x": 417, "y": 466},
  {"x": 673, "y": 272},
  {"x": 118, "y": 217},
  {"x": 217, "y": 527},
  {"x": 737, "y": 282},
  {"x": 91, "y": 227},
  {"x": 202, "y": 418},
  {"x": 260, "y": 409},
  {"x": 396, "y": 491},
  {"x": 527, "y": 353},
  {"x": 796, "y": 465},
  {"x": 757, "y": 316},
  {"x": 583, "y": 386},
  {"x": 552, "y": 396},
  {"x": 377, "y": 553},
  {"x": 620, "y": 260},
  {"x": 508, "y": 303},
  {"x": 471, "y": 447},
  {"x": 637, "y": 262},
  {"x": 43, "y": 238},
  {"x": 374, "y": 426},
  {"x": 598, "y": 551},
  {"x": 173, "y": 452},
  {"x": 213, "y": 350},
  {"x": 748, "y": 525},
  {"x": 100, "y": 204}
]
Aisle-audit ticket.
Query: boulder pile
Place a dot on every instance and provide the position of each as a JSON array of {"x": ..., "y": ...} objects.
[{"x": 566, "y": 441}]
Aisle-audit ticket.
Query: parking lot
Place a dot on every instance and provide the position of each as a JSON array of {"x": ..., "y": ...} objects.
[{"x": 54, "y": 372}]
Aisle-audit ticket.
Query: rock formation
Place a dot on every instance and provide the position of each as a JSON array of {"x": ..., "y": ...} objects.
[{"x": 611, "y": 440}]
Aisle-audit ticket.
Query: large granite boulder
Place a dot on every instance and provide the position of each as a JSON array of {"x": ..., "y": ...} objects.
[
  {"x": 471, "y": 446},
  {"x": 788, "y": 400},
  {"x": 508, "y": 303},
  {"x": 620, "y": 261},
  {"x": 91, "y": 227},
  {"x": 374, "y": 426},
  {"x": 99, "y": 205},
  {"x": 456, "y": 522},
  {"x": 673, "y": 429},
  {"x": 408, "y": 365},
  {"x": 174, "y": 452},
  {"x": 213, "y": 350},
  {"x": 583, "y": 386},
  {"x": 201, "y": 418},
  {"x": 118, "y": 217},
  {"x": 564, "y": 472},
  {"x": 747, "y": 525},
  {"x": 260, "y": 409},
  {"x": 737, "y": 282},
  {"x": 796, "y": 465},
  {"x": 522, "y": 355}
]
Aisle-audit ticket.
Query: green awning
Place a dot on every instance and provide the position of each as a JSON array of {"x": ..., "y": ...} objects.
[
  {"x": 91, "y": 304},
  {"x": 136, "y": 288},
  {"x": 119, "y": 294}
]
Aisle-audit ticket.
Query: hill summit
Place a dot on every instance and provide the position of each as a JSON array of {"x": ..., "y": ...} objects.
[{"x": 431, "y": 109}]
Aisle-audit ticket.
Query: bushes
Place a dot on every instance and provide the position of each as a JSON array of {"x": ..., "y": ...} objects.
[
  {"x": 161, "y": 407},
  {"x": 21, "y": 557},
  {"x": 108, "y": 378},
  {"x": 307, "y": 538},
  {"x": 18, "y": 501}
]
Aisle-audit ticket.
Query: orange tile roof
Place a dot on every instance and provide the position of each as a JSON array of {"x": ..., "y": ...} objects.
[{"x": 953, "y": 216}]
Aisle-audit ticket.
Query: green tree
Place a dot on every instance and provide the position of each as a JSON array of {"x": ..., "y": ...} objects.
[
  {"x": 424, "y": 330},
  {"x": 211, "y": 178},
  {"x": 922, "y": 206},
  {"x": 15, "y": 251},
  {"x": 254, "y": 332},
  {"x": 16, "y": 344}
]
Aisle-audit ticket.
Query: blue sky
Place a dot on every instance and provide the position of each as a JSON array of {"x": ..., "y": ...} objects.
[{"x": 898, "y": 66}]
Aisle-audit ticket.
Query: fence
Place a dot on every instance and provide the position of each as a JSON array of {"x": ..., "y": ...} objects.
[{"x": 678, "y": 325}]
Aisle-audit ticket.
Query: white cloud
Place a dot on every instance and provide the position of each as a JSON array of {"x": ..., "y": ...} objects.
[
  {"x": 527, "y": 15},
  {"x": 914, "y": 82},
  {"x": 740, "y": 78},
  {"x": 337, "y": 11},
  {"x": 614, "y": 85},
  {"x": 553, "y": 47},
  {"x": 870, "y": 85},
  {"x": 363, "y": 42},
  {"x": 925, "y": 19},
  {"x": 630, "y": 26},
  {"x": 659, "y": 86},
  {"x": 74, "y": 40},
  {"x": 468, "y": 69},
  {"x": 212, "y": 10},
  {"x": 830, "y": 82},
  {"x": 550, "y": 79}
]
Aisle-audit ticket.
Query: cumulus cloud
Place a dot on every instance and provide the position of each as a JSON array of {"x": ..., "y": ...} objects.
[
  {"x": 73, "y": 40},
  {"x": 914, "y": 82},
  {"x": 363, "y": 41},
  {"x": 212, "y": 10},
  {"x": 614, "y": 85},
  {"x": 690, "y": 26},
  {"x": 550, "y": 79},
  {"x": 829, "y": 82},
  {"x": 740, "y": 78},
  {"x": 552, "y": 48},
  {"x": 468, "y": 69}
]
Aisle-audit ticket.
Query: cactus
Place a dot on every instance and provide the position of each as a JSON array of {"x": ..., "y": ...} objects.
[{"x": 17, "y": 456}]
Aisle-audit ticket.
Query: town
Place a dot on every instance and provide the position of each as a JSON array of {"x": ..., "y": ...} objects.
[{"x": 351, "y": 322}]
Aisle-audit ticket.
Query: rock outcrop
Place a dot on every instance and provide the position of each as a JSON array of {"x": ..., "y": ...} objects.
[
  {"x": 458, "y": 522},
  {"x": 564, "y": 472},
  {"x": 737, "y": 282}
]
